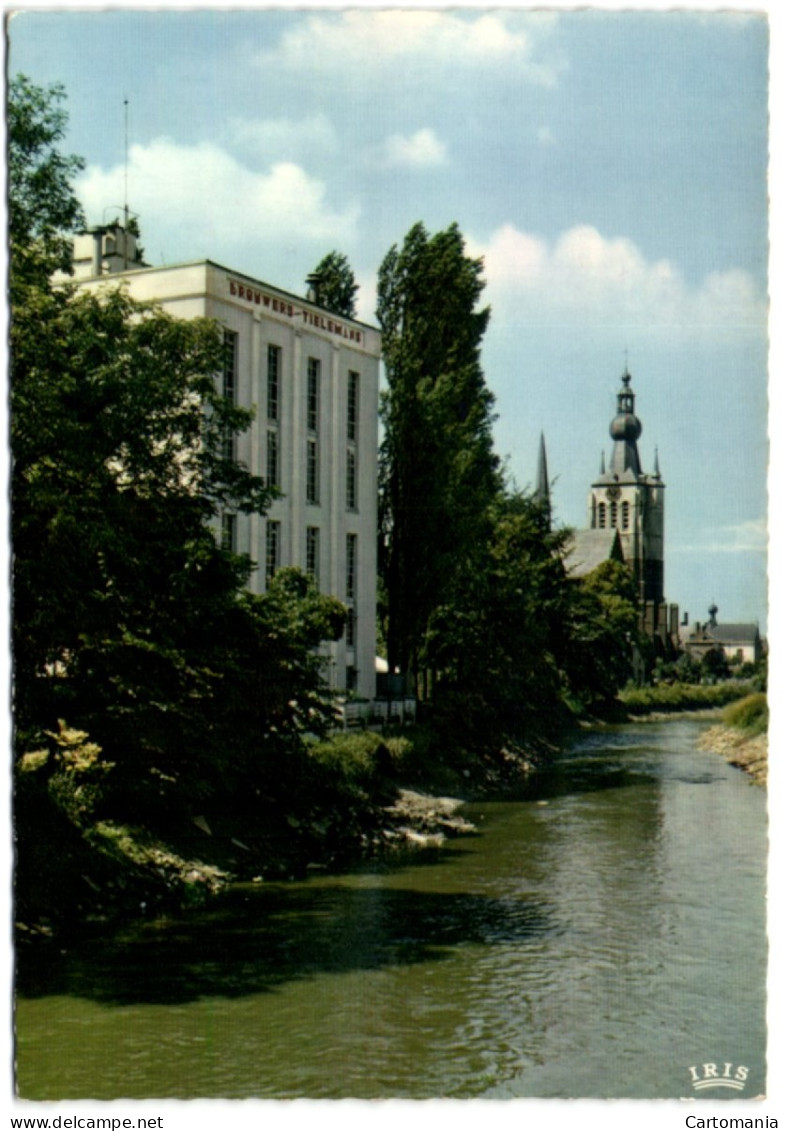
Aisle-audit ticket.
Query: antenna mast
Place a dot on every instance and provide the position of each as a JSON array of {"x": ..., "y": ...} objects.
[
  {"x": 126, "y": 162},
  {"x": 125, "y": 182}
]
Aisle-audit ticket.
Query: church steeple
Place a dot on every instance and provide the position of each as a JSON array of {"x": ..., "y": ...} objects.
[
  {"x": 542, "y": 493},
  {"x": 629, "y": 500},
  {"x": 625, "y": 430}
]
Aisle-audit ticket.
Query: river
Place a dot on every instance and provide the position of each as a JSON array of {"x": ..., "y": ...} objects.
[{"x": 601, "y": 936}]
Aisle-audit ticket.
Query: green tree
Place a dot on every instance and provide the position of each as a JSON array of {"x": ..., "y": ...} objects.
[
  {"x": 336, "y": 285},
  {"x": 438, "y": 469},
  {"x": 492, "y": 640},
  {"x": 42, "y": 208},
  {"x": 599, "y": 635},
  {"x": 130, "y": 620}
]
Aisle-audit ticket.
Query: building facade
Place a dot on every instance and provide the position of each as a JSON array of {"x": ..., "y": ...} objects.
[
  {"x": 312, "y": 379},
  {"x": 740, "y": 643}
]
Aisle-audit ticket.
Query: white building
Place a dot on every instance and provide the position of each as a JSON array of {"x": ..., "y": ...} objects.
[{"x": 312, "y": 379}]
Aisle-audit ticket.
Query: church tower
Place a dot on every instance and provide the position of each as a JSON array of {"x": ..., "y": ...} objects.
[{"x": 625, "y": 499}]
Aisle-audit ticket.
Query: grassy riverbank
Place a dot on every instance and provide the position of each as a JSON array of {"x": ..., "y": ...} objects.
[
  {"x": 741, "y": 736},
  {"x": 671, "y": 698},
  {"x": 352, "y": 796}
]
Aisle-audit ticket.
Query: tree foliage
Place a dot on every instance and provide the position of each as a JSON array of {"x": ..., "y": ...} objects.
[
  {"x": 42, "y": 208},
  {"x": 337, "y": 286},
  {"x": 493, "y": 639},
  {"x": 438, "y": 469},
  {"x": 131, "y": 621}
]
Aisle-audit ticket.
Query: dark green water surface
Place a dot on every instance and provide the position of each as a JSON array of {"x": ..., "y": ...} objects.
[{"x": 599, "y": 937}]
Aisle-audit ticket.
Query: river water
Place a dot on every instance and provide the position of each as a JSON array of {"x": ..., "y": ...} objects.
[{"x": 601, "y": 936}]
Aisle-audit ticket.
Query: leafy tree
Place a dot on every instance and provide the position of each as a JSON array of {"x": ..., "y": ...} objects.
[
  {"x": 130, "y": 620},
  {"x": 337, "y": 286},
  {"x": 492, "y": 640},
  {"x": 600, "y": 632},
  {"x": 438, "y": 469},
  {"x": 42, "y": 207},
  {"x": 714, "y": 664}
]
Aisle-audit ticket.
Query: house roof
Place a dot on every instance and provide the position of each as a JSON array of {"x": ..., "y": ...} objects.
[{"x": 590, "y": 548}]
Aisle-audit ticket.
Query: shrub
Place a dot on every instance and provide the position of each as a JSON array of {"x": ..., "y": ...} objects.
[
  {"x": 749, "y": 714},
  {"x": 679, "y": 697},
  {"x": 354, "y": 763}
]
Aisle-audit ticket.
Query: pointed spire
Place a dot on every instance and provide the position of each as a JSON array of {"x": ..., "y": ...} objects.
[
  {"x": 657, "y": 464},
  {"x": 543, "y": 492},
  {"x": 602, "y": 463}
]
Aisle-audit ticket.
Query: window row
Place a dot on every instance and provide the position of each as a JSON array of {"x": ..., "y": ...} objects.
[
  {"x": 613, "y": 516},
  {"x": 274, "y": 386},
  {"x": 312, "y": 487},
  {"x": 311, "y": 555}
]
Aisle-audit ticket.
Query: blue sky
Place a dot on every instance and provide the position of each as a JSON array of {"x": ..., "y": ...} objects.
[{"x": 609, "y": 166}]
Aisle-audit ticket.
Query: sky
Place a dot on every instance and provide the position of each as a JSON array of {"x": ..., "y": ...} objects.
[{"x": 610, "y": 167}]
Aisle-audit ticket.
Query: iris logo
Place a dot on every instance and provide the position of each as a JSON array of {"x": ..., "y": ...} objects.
[{"x": 707, "y": 1076}]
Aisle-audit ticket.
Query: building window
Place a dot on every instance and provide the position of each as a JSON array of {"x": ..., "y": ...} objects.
[
  {"x": 350, "y": 629},
  {"x": 601, "y": 515},
  {"x": 229, "y": 532},
  {"x": 272, "y": 549},
  {"x": 312, "y": 470},
  {"x": 230, "y": 367},
  {"x": 350, "y": 567},
  {"x": 351, "y": 678},
  {"x": 353, "y": 404},
  {"x": 313, "y": 393},
  {"x": 350, "y": 480},
  {"x": 230, "y": 385},
  {"x": 313, "y": 553},
  {"x": 613, "y": 515},
  {"x": 273, "y": 382},
  {"x": 625, "y": 516},
  {"x": 272, "y": 458}
]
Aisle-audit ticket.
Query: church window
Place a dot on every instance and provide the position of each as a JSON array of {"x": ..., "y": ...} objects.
[
  {"x": 601, "y": 515},
  {"x": 625, "y": 516},
  {"x": 613, "y": 514}
]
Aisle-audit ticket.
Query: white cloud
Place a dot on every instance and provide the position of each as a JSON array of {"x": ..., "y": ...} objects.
[
  {"x": 195, "y": 199},
  {"x": 421, "y": 150},
  {"x": 584, "y": 278},
  {"x": 742, "y": 537},
  {"x": 283, "y": 137},
  {"x": 357, "y": 41}
]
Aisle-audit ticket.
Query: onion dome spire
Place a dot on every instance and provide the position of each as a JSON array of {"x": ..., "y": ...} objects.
[{"x": 625, "y": 430}]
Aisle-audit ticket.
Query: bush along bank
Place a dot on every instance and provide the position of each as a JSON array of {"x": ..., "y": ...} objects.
[
  {"x": 337, "y": 801},
  {"x": 670, "y": 698},
  {"x": 741, "y": 737}
]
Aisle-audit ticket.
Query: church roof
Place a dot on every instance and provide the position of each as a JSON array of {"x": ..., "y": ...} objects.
[
  {"x": 731, "y": 634},
  {"x": 734, "y": 633},
  {"x": 590, "y": 548}
]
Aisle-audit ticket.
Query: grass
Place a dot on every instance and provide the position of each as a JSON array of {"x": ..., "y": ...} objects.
[
  {"x": 749, "y": 715},
  {"x": 671, "y": 697}
]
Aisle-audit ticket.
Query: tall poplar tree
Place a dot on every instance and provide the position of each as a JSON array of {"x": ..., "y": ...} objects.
[{"x": 438, "y": 469}]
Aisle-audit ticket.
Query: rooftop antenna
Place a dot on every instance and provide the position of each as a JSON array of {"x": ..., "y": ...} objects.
[
  {"x": 125, "y": 181},
  {"x": 126, "y": 163}
]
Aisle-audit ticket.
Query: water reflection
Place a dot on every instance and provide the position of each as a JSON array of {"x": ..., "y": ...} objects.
[
  {"x": 601, "y": 934},
  {"x": 259, "y": 939}
]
